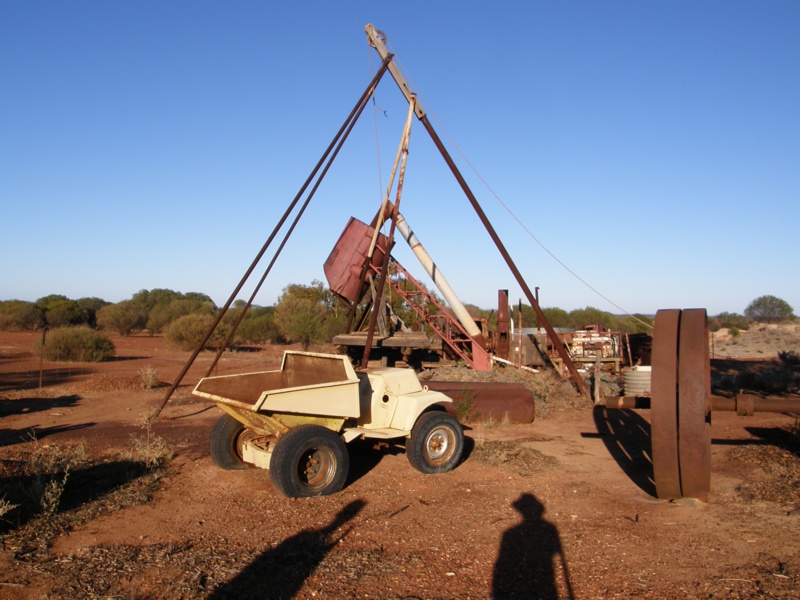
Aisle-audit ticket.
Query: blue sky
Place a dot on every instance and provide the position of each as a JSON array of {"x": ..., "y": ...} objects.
[{"x": 654, "y": 148}]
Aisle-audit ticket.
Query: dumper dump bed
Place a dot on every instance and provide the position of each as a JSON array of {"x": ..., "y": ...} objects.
[{"x": 307, "y": 383}]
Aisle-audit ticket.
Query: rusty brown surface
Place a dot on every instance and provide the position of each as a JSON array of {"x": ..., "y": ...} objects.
[
  {"x": 664, "y": 416},
  {"x": 489, "y": 400},
  {"x": 503, "y": 325},
  {"x": 438, "y": 318},
  {"x": 746, "y": 405},
  {"x": 694, "y": 414},
  {"x": 348, "y": 255}
]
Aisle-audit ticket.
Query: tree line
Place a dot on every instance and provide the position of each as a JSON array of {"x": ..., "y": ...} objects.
[{"x": 303, "y": 314}]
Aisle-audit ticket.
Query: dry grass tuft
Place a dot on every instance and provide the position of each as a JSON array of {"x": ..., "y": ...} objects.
[{"x": 512, "y": 455}]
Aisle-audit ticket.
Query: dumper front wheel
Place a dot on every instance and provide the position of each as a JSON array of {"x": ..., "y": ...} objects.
[
  {"x": 226, "y": 448},
  {"x": 436, "y": 444},
  {"x": 309, "y": 460}
]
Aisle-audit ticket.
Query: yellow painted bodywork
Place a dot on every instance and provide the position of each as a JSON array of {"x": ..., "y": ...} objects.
[{"x": 320, "y": 389}]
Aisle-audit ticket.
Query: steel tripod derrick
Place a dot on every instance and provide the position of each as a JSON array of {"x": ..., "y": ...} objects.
[{"x": 377, "y": 40}]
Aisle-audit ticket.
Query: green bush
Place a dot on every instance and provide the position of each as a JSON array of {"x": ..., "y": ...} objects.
[
  {"x": 259, "y": 329},
  {"x": 122, "y": 317},
  {"x": 300, "y": 313},
  {"x": 17, "y": 315},
  {"x": 162, "y": 316},
  {"x": 189, "y": 330},
  {"x": 162, "y": 307},
  {"x": 733, "y": 320},
  {"x": 89, "y": 308},
  {"x": 769, "y": 309},
  {"x": 557, "y": 317},
  {"x": 75, "y": 344},
  {"x": 63, "y": 313}
]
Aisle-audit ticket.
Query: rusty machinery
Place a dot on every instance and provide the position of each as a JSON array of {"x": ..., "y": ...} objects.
[
  {"x": 681, "y": 404},
  {"x": 681, "y": 400},
  {"x": 469, "y": 339},
  {"x": 351, "y": 273},
  {"x": 377, "y": 40}
]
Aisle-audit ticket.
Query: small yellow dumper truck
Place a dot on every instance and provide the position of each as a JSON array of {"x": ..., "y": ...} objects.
[{"x": 296, "y": 421}]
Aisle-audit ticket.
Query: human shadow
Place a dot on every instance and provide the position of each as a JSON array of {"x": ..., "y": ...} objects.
[
  {"x": 281, "y": 571},
  {"x": 626, "y": 436},
  {"x": 531, "y": 558}
]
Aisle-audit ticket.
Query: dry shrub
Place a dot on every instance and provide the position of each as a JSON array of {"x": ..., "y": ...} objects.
[
  {"x": 188, "y": 331},
  {"x": 549, "y": 389},
  {"x": 512, "y": 455},
  {"x": 553, "y": 391},
  {"x": 36, "y": 479},
  {"x": 150, "y": 449},
  {"x": 6, "y": 507},
  {"x": 47, "y": 489},
  {"x": 149, "y": 377},
  {"x": 465, "y": 407},
  {"x": 75, "y": 344}
]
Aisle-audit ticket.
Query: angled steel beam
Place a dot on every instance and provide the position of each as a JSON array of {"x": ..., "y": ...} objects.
[{"x": 377, "y": 40}]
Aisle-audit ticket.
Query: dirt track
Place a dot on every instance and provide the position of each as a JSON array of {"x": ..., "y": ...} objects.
[{"x": 577, "y": 519}]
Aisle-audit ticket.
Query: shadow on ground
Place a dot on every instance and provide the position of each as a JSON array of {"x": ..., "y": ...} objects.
[
  {"x": 281, "y": 571},
  {"x": 626, "y": 436},
  {"x": 27, "y": 484},
  {"x": 531, "y": 561},
  {"x": 29, "y": 380}
]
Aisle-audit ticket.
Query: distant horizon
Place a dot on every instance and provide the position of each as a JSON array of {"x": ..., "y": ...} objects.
[{"x": 512, "y": 305}]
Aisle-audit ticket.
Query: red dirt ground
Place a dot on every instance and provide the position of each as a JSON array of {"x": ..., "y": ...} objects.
[{"x": 579, "y": 520}]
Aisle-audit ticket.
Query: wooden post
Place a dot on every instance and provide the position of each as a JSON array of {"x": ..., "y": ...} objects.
[
  {"x": 597, "y": 378},
  {"x": 41, "y": 358}
]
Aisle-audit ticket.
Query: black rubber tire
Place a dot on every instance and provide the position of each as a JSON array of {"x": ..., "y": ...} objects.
[
  {"x": 309, "y": 460},
  {"x": 436, "y": 444},
  {"x": 225, "y": 443}
]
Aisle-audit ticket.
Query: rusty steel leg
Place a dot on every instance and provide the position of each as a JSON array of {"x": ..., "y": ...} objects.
[
  {"x": 694, "y": 413},
  {"x": 664, "y": 406}
]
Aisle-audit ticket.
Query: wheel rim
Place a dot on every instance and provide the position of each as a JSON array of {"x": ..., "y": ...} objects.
[
  {"x": 316, "y": 467},
  {"x": 245, "y": 435},
  {"x": 439, "y": 445}
]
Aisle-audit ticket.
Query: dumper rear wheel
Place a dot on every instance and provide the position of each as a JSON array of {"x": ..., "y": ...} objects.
[
  {"x": 226, "y": 443},
  {"x": 309, "y": 460},
  {"x": 436, "y": 444}
]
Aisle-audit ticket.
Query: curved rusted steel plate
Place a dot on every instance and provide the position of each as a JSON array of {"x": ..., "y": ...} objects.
[
  {"x": 487, "y": 400},
  {"x": 694, "y": 413},
  {"x": 664, "y": 404}
]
